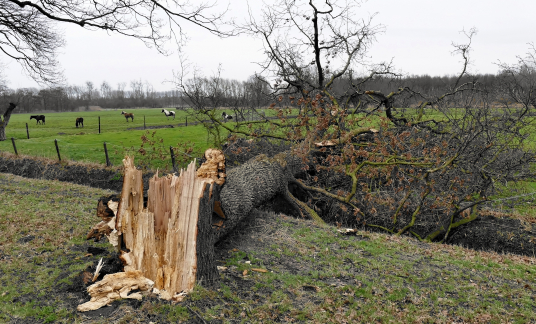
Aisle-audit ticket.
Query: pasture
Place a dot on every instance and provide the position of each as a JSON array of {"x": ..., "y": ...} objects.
[
  {"x": 122, "y": 135},
  {"x": 86, "y": 144}
]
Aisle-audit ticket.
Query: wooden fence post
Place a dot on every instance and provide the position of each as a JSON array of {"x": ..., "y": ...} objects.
[
  {"x": 144, "y": 122},
  {"x": 186, "y": 121},
  {"x": 57, "y": 149},
  {"x": 106, "y": 153},
  {"x": 99, "y": 124},
  {"x": 27, "y": 133},
  {"x": 14, "y": 147},
  {"x": 173, "y": 159}
]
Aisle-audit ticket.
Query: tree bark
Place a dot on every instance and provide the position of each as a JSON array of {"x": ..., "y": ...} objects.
[{"x": 5, "y": 121}]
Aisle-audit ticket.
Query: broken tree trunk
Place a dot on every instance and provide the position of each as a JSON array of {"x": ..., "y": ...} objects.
[
  {"x": 170, "y": 241},
  {"x": 249, "y": 186}
]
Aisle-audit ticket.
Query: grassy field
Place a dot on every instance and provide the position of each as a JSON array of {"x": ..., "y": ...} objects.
[
  {"x": 86, "y": 144},
  {"x": 315, "y": 275}
]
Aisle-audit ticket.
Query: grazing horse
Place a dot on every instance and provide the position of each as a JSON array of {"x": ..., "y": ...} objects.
[
  {"x": 128, "y": 115},
  {"x": 79, "y": 121},
  {"x": 39, "y": 118},
  {"x": 225, "y": 116},
  {"x": 168, "y": 113}
]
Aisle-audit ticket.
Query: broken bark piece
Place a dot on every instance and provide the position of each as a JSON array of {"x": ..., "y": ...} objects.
[
  {"x": 218, "y": 210},
  {"x": 115, "y": 286},
  {"x": 98, "y": 231},
  {"x": 107, "y": 226},
  {"x": 86, "y": 277},
  {"x": 104, "y": 210}
]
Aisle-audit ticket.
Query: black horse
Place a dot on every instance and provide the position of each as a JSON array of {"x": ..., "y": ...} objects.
[
  {"x": 39, "y": 118},
  {"x": 79, "y": 121}
]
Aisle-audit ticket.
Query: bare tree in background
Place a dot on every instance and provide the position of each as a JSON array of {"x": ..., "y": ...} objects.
[
  {"x": 106, "y": 90},
  {"x": 518, "y": 81},
  {"x": 28, "y": 32},
  {"x": 137, "y": 94},
  {"x": 89, "y": 93}
]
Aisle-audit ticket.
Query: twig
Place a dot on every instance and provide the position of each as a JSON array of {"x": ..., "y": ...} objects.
[{"x": 191, "y": 310}]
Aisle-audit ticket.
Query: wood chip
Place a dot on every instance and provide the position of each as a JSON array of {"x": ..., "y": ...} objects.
[{"x": 259, "y": 270}]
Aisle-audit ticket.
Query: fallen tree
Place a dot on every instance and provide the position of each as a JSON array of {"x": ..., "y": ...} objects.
[
  {"x": 405, "y": 160},
  {"x": 167, "y": 243},
  {"x": 170, "y": 241}
]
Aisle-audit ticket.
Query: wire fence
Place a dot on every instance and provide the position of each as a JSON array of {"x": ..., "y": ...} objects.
[
  {"x": 108, "y": 151},
  {"x": 99, "y": 127}
]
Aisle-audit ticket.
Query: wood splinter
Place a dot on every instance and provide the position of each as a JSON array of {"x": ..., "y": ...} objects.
[{"x": 116, "y": 286}]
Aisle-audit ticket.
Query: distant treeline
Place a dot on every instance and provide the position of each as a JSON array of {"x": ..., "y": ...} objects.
[{"x": 223, "y": 92}]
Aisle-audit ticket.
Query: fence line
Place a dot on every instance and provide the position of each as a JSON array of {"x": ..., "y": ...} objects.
[{"x": 107, "y": 158}]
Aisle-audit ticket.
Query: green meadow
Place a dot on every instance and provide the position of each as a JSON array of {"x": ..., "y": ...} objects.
[{"x": 86, "y": 144}]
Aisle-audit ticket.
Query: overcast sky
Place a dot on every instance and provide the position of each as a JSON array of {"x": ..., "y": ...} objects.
[{"x": 418, "y": 37}]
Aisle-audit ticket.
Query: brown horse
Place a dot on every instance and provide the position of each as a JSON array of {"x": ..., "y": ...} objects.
[
  {"x": 128, "y": 115},
  {"x": 79, "y": 121}
]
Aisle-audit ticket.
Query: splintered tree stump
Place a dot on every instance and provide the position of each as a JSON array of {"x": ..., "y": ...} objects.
[{"x": 170, "y": 241}]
